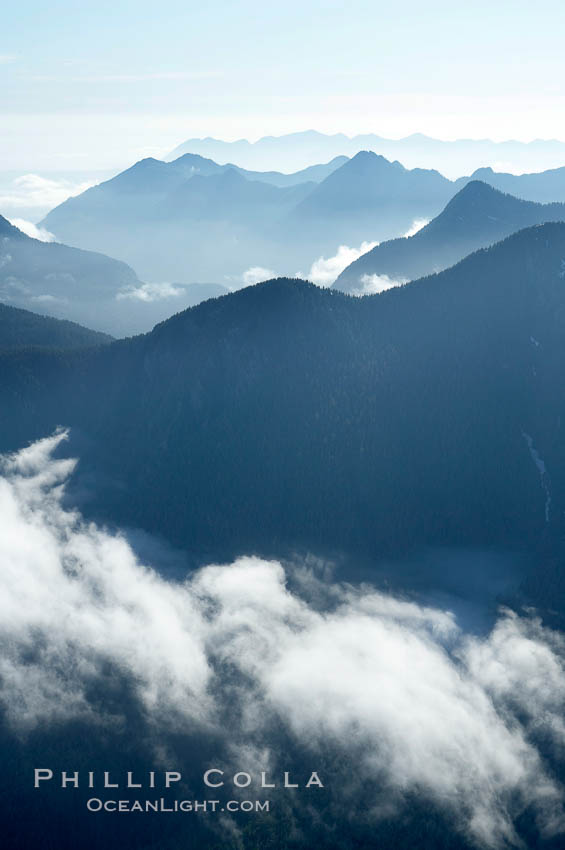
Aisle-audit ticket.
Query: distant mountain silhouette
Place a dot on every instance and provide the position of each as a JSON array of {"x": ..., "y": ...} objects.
[
  {"x": 139, "y": 191},
  {"x": 64, "y": 282},
  {"x": 87, "y": 287},
  {"x": 298, "y": 150},
  {"x": 205, "y": 167},
  {"x": 23, "y": 329},
  {"x": 192, "y": 219},
  {"x": 369, "y": 198},
  {"x": 187, "y": 220},
  {"x": 285, "y": 417},
  {"x": 228, "y": 195},
  {"x": 543, "y": 187},
  {"x": 476, "y": 217}
]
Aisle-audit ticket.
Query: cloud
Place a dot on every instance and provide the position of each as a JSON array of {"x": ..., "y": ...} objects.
[
  {"x": 372, "y": 284},
  {"x": 150, "y": 292},
  {"x": 7, "y": 59},
  {"x": 33, "y": 230},
  {"x": 325, "y": 270},
  {"x": 393, "y": 689},
  {"x": 416, "y": 225},
  {"x": 91, "y": 602},
  {"x": 33, "y": 191},
  {"x": 256, "y": 274}
]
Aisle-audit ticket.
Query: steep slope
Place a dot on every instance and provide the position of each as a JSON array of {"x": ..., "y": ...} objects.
[
  {"x": 23, "y": 329},
  {"x": 285, "y": 417},
  {"x": 476, "y": 217}
]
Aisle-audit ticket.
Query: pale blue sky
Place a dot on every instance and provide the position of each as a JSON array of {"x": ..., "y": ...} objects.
[{"x": 97, "y": 85}]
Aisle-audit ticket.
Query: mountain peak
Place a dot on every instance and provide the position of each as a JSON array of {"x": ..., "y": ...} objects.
[
  {"x": 476, "y": 217},
  {"x": 476, "y": 190},
  {"x": 192, "y": 159},
  {"x": 479, "y": 199},
  {"x": 487, "y": 171},
  {"x": 369, "y": 158}
]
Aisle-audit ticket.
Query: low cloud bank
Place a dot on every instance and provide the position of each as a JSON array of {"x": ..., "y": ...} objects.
[
  {"x": 149, "y": 292},
  {"x": 34, "y": 191},
  {"x": 396, "y": 690},
  {"x": 416, "y": 225},
  {"x": 31, "y": 229},
  {"x": 372, "y": 284},
  {"x": 256, "y": 274},
  {"x": 325, "y": 270}
]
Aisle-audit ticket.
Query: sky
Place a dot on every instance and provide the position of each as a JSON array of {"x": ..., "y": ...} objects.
[{"x": 98, "y": 85}]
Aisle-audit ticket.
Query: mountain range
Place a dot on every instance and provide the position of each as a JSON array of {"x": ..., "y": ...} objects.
[
  {"x": 453, "y": 158},
  {"x": 367, "y": 198},
  {"x": 543, "y": 187},
  {"x": 191, "y": 220},
  {"x": 181, "y": 221},
  {"x": 476, "y": 217},
  {"x": 284, "y": 417}
]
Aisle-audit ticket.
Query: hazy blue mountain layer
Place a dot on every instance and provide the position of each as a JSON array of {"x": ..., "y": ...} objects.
[
  {"x": 298, "y": 150},
  {"x": 478, "y": 216},
  {"x": 191, "y": 219}
]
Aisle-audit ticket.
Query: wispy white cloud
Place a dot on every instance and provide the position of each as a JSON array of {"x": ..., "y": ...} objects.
[
  {"x": 416, "y": 225},
  {"x": 325, "y": 270},
  {"x": 391, "y": 686},
  {"x": 34, "y": 191},
  {"x": 256, "y": 274},
  {"x": 31, "y": 229},
  {"x": 372, "y": 284},
  {"x": 151, "y": 292}
]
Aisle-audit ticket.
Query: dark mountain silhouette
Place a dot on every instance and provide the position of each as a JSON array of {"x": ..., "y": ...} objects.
[
  {"x": 287, "y": 417},
  {"x": 476, "y": 217},
  {"x": 23, "y": 329}
]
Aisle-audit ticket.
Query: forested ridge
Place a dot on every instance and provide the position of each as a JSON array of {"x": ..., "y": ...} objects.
[{"x": 287, "y": 416}]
